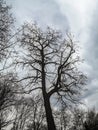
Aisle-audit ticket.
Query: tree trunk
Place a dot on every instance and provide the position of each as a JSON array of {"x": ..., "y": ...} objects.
[
  {"x": 49, "y": 115},
  {"x": 48, "y": 110}
]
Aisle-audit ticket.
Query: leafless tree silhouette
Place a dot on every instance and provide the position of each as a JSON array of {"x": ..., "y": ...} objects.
[{"x": 52, "y": 63}]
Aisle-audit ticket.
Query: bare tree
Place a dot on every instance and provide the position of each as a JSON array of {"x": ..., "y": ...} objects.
[
  {"x": 78, "y": 118},
  {"x": 6, "y": 24},
  {"x": 7, "y": 99},
  {"x": 7, "y": 87},
  {"x": 29, "y": 114},
  {"x": 37, "y": 119},
  {"x": 84, "y": 120},
  {"x": 52, "y": 64},
  {"x": 62, "y": 118},
  {"x": 91, "y": 121}
]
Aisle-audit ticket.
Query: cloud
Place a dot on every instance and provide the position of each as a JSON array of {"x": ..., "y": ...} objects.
[
  {"x": 91, "y": 56},
  {"x": 77, "y": 12},
  {"x": 44, "y": 12}
]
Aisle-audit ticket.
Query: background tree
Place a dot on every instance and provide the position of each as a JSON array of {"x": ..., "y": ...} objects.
[
  {"x": 7, "y": 98},
  {"x": 37, "y": 119},
  {"x": 52, "y": 64},
  {"x": 78, "y": 118},
  {"x": 6, "y": 24},
  {"x": 7, "y": 87},
  {"x": 83, "y": 120},
  {"x": 29, "y": 114},
  {"x": 62, "y": 118},
  {"x": 91, "y": 122}
]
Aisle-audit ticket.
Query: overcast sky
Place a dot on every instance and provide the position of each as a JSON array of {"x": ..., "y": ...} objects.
[{"x": 78, "y": 16}]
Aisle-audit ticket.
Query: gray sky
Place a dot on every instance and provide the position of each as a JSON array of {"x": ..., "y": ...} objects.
[{"x": 78, "y": 16}]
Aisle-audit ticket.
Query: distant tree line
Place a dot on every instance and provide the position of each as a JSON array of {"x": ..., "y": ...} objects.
[{"x": 40, "y": 79}]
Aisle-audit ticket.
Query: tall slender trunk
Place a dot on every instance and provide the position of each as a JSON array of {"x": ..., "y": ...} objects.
[
  {"x": 48, "y": 110},
  {"x": 49, "y": 115}
]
